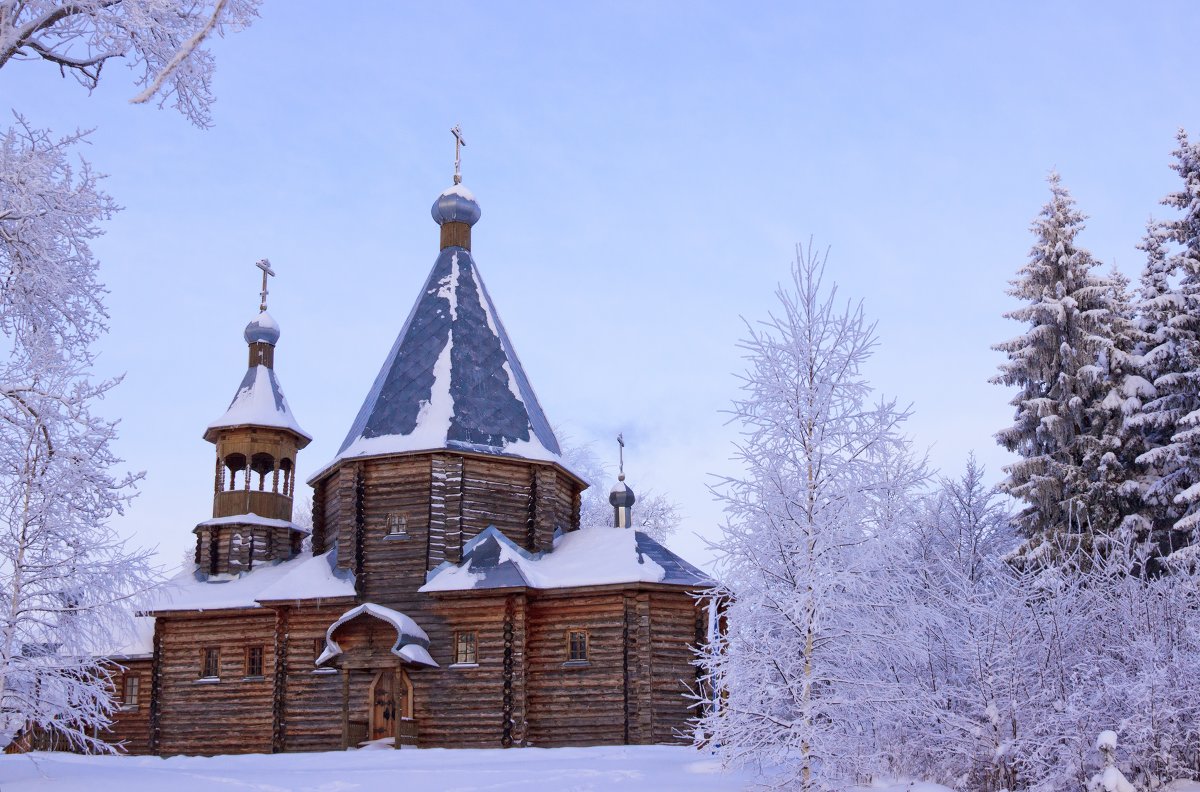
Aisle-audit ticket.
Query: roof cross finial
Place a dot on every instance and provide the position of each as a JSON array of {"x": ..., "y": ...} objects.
[
  {"x": 458, "y": 144},
  {"x": 265, "y": 266},
  {"x": 621, "y": 443}
]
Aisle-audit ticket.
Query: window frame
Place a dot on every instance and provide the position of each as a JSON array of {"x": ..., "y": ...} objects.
[
  {"x": 205, "y": 653},
  {"x": 262, "y": 661},
  {"x": 136, "y": 679},
  {"x": 461, "y": 653},
  {"x": 584, "y": 658},
  {"x": 398, "y": 520}
]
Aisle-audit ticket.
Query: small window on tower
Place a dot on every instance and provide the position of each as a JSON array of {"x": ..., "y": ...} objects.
[
  {"x": 577, "y": 646},
  {"x": 130, "y": 693},
  {"x": 464, "y": 648},
  {"x": 254, "y": 661},
  {"x": 210, "y": 663},
  {"x": 397, "y": 525}
]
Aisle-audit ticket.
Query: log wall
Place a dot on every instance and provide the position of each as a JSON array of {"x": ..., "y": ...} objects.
[
  {"x": 130, "y": 727},
  {"x": 576, "y": 704},
  {"x": 232, "y": 714}
]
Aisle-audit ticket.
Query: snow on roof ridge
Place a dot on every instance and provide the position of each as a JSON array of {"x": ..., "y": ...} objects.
[
  {"x": 595, "y": 556},
  {"x": 259, "y": 401},
  {"x": 250, "y": 518}
]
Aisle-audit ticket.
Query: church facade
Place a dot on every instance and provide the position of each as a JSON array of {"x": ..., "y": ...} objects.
[{"x": 447, "y": 595}]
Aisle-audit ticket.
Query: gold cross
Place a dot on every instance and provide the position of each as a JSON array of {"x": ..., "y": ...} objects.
[
  {"x": 265, "y": 266},
  {"x": 621, "y": 442},
  {"x": 458, "y": 144}
]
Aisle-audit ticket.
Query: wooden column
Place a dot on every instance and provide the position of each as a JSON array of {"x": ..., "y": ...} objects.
[
  {"x": 644, "y": 731},
  {"x": 279, "y": 699},
  {"x": 545, "y": 485},
  {"x": 346, "y": 708},
  {"x": 445, "y": 510},
  {"x": 156, "y": 688},
  {"x": 318, "y": 519},
  {"x": 360, "y": 528}
]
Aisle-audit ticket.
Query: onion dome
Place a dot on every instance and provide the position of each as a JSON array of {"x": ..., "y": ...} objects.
[
  {"x": 621, "y": 495},
  {"x": 262, "y": 329},
  {"x": 622, "y": 499},
  {"x": 456, "y": 205}
]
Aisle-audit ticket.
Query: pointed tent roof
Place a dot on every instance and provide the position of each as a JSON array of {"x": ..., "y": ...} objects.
[
  {"x": 452, "y": 379},
  {"x": 259, "y": 399}
]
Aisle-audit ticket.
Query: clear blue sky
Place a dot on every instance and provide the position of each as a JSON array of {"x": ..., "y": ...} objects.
[{"x": 644, "y": 170}]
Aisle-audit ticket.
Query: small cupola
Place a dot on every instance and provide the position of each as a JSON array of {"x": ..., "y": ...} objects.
[
  {"x": 257, "y": 441},
  {"x": 621, "y": 496},
  {"x": 455, "y": 210}
]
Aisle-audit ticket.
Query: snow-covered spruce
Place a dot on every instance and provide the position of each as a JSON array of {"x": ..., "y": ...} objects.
[
  {"x": 1170, "y": 316},
  {"x": 804, "y": 667},
  {"x": 1061, "y": 364}
]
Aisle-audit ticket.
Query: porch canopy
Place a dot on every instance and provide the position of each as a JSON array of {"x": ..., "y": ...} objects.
[{"x": 411, "y": 644}]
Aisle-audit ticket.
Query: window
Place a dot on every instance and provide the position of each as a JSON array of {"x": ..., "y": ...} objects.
[
  {"x": 318, "y": 648},
  {"x": 577, "y": 646},
  {"x": 464, "y": 649},
  {"x": 130, "y": 685},
  {"x": 254, "y": 661},
  {"x": 210, "y": 663},
  {"x": 397, "y": 525}
]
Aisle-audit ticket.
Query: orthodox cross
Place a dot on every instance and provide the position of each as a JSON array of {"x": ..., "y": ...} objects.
[
  {"x": 458, "y": 144},
  {"x": 621, "y": 443},
  {"x": 265, "y": 266}
]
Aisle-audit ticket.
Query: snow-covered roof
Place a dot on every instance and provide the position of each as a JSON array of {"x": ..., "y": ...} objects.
[
  {"x": 452, "y": 380},
  {"x": 251, "y": 518},
  {"x": 303, "y": 577},
  {"x": 135, "y": 642},
  {"x": 587, "y": 557},
  {"x": 259, "y": 401},
  {"x": 411, "y": 641}
]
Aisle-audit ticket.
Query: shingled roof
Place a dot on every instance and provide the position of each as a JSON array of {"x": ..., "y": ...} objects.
[{"x": 452, "y": 379}]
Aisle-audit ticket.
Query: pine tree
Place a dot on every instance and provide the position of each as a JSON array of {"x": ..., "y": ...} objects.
[
  {"x": 1058, "y": 365},
  {"x": 1170, "y": 314}
]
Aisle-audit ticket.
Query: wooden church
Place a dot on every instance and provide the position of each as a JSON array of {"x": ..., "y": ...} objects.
[{"x": 450, "y": 597}]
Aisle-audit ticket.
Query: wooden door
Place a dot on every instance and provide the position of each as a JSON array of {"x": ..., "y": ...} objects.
[
  {"x": 383, "y": 705},
  {"x": 406, "y": 733}
]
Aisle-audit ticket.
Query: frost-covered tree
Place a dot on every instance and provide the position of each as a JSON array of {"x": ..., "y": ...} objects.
[
  {"x": 64, "y": 574},
  {"x": 1057, "y": 366},
  {"x": 66, "y": 579},
  {"x": 805, "y": 666},
  {"x": 1169, "y": 422},
  {"x": 160, "y": 40},
  {"x": 1024, "y": 666}
]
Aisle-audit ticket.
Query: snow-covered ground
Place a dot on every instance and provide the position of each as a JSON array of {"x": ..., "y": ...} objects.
[{"x": 650, "y": 768}]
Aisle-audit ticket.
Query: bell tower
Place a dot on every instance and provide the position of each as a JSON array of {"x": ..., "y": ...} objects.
[{"x": 257, "y": 441}]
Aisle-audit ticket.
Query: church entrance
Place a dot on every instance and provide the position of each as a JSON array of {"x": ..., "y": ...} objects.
[{"x": 391, "y": 707}]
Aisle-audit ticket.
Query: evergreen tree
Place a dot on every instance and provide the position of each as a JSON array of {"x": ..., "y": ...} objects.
[
  {"x": 1059, "y": 365},
  {"x": 1170, "y": 314}
]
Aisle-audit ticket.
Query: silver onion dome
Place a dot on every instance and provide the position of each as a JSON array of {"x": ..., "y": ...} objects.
[
  {"x": 621, "y": 495},
  {"x": 262, "y": 329},
  {"x": 456, "y": 205}
]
